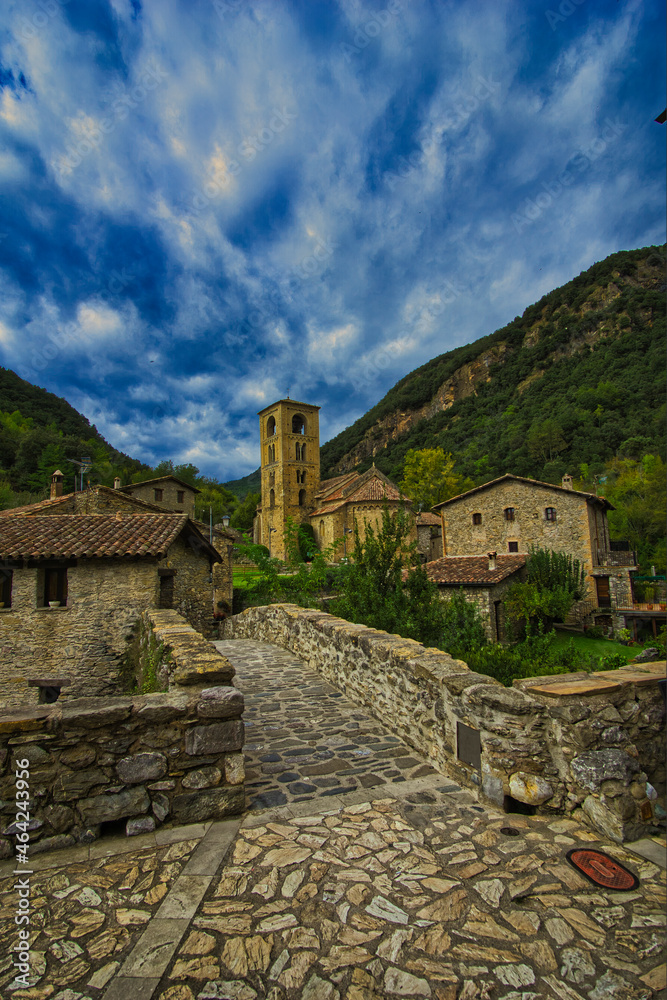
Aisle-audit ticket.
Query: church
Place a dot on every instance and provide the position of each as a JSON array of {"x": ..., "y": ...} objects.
[{"x": 291, "y": 485}]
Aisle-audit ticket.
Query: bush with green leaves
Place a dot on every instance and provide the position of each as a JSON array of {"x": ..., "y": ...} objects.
[
  {"x": 554, "y": 582},
  {"x": 375, "y": 592},
  {"x": 462, "y": 626}
]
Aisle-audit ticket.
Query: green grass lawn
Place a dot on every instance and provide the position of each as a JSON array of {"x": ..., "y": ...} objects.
[{"x": 595, "y": 647}]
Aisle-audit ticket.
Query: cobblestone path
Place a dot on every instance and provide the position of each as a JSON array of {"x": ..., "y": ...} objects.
[
  {"x": 307, "y": 740},
  {"x": 401, "y": 886}
]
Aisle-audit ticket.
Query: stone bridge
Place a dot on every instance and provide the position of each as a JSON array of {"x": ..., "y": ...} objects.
[{"x": 591, "y": 746}]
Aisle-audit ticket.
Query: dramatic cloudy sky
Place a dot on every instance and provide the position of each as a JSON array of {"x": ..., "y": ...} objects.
[{"x": 209, "y": 203}]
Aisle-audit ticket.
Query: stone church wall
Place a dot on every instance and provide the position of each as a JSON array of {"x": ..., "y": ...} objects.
[{"x": 586, "y": 747}]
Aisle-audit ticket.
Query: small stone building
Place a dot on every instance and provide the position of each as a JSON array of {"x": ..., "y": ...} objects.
[
  {"x": 103, "y": 500},
  {"x": 167, "y": 492},
  {"x": 484, "y": 581},
  {"x": 75, "y": 586},
  {"x": 511, "y": 514},
  {"x": 429, "y": 536}
]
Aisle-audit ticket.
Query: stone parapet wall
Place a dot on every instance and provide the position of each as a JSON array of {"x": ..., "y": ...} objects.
[
  {"x": 142, "y": 759},
  {"x": 590, "y": 753}
]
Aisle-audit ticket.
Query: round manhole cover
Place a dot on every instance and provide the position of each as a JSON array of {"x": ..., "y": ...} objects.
[{"x": 602, "y": 870}]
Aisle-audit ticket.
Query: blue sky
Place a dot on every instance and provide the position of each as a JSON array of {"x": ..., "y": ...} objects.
[{"x": 206, "y": 204}]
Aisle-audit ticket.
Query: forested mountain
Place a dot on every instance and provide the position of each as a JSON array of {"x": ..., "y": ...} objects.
[
  {"x": 39, "y": 432},
  {"x": 577, "y": 380}
]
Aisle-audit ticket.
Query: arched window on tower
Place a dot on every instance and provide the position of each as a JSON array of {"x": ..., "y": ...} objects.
[
  {"x": 303, "y": 453},
  {"x": 272, "y": 498},
  {"x": 321, "y": 530},
  {"x": 298, "y": 451},
  {"x": 298, "y": 424},
  {"x": 302, "y": 497},
  {"x": 303, "y": 476},
  {"x": 270, "y": 426},
  {"x": 272, "y": 453},
  {"x": 272, "y": 479}
]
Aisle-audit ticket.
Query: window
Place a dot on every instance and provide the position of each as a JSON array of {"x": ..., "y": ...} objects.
[
  {"x": 180, "y": 496},
  {"x": 477, "y": 519},
  {"x": 55, "y": 586},
  {"x": 298, "y": 424},
  {"x": 550, "y": 513},
  {"x": 270, "y": 426},
  {"x": 303, "y": 453},
  {"x": 272, "y": 498},
  {"x": 509, "y": 513},
  {"x": 321, "y": 529},
  {"x": 157, "y": 494},
  {"x": 272, "y": 479},
  {"x": 6, "y": 587},
  {"x": 512, "y": 546},
  {"x": 272, "y": 453},
  {"x": 302, "y": 497},
  {"x": 297, "y": 450}
]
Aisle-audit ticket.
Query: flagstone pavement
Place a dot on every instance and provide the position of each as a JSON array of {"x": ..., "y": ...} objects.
[{"x": 357, "y": 873}]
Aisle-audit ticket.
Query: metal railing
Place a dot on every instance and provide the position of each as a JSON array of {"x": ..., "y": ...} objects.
[{"x": 606, "y": 557}]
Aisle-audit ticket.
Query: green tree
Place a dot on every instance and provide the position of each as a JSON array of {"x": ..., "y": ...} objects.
[
  {"x": 638, "y": 491},
  {"x": 463, "y": 629},
  {"x": 545, "y": 439},
  {"x": 379, "y": 590},
  {"x": 429, "y": 477},
  {"x": 244, "y": 515},
  {"x": 555, "y": 581}
]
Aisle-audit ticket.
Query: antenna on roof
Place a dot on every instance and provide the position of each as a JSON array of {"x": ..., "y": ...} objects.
[{"x": 85, "y": 465}]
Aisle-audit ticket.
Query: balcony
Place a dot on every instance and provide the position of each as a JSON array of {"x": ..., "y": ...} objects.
[{"x": 616, "y": 557}]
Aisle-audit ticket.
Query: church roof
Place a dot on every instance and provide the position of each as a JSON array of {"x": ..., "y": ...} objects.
[{"x": 371, "y": 485}]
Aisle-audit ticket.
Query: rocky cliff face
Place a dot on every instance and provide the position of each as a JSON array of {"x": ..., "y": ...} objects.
[{"x": 462, "y": 383}]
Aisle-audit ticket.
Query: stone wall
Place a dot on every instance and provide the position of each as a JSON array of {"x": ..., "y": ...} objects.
[
  {"x": 574, "y": 532},
  {"x": 587, "y": 749},
  {"x": 170, "y": 493},
  {"x": 485, "y": 599},
  {"x": 143, "y": 760},
  {"x": 85, "y": 643}
]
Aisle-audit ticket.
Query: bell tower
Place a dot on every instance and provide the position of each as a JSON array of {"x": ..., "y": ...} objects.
[{"x": 289, "y": 434}]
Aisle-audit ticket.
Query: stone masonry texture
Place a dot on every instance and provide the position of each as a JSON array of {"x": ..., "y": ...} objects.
[{"x": 531, "y": 736}]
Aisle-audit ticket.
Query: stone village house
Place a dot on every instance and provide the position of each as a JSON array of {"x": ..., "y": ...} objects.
[
  {"x": 510, "y": 514},
  {"x": 77, "y": 572}
]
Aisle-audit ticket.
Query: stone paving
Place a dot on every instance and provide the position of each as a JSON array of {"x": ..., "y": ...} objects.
[
  {"x": 304, "y": 738},
  {"x": 404, "y": 888}
]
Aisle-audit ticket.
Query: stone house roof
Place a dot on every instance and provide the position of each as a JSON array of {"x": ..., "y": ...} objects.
[
  {"x": 159, "y": 479},
  {"x": 96, "y": 536},
  {"x": 68, "y": 501},
  {"x": 473, "y": 571},
  {"x": 428, "y": 519},
  {"x": 508, "y": 477}
]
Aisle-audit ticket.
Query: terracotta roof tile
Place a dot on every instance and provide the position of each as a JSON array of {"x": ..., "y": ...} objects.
[
  {"x": 80, "y": 536},
  {"x": 427, "y": 518},
  {"x": 375, "y": 489},
  {"x": 590, "y": 497},
  {"x": 472, "y": 570}
]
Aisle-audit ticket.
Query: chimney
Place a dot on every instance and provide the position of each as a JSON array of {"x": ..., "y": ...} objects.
[
  {"x": 116, "y": 483},
  {"x": 492, "y": 559},
  {"x": 566, "y": 482},
  {"x": 56, "y": 484}
]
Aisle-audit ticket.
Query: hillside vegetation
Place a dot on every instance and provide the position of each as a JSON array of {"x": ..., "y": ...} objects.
[{"x": 577, "y": 380}]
